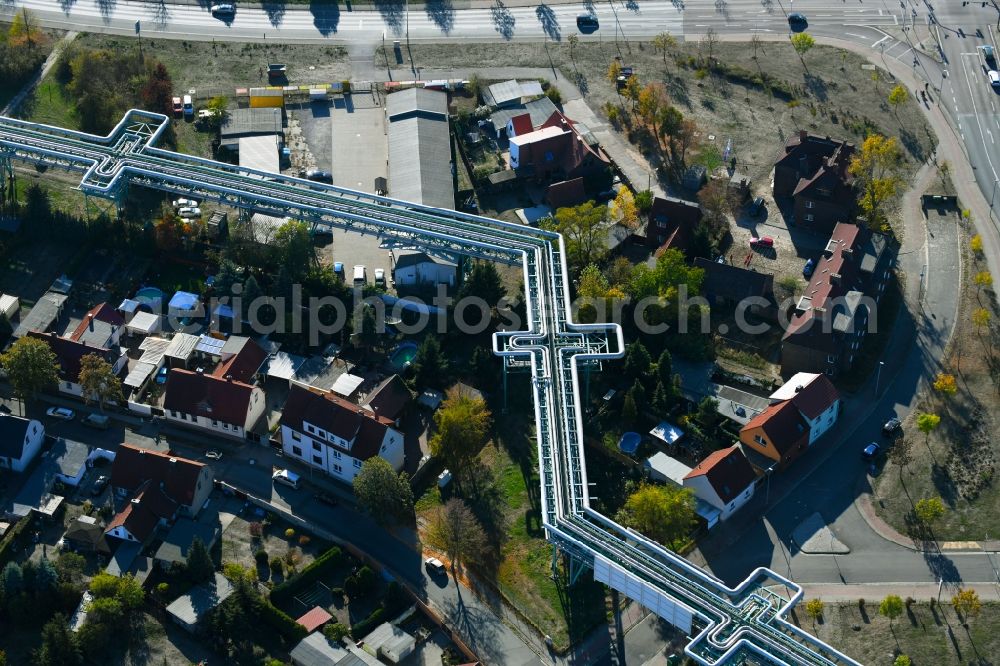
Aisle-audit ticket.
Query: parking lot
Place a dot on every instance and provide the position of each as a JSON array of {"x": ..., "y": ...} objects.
[{"x": 347, "y": 137}]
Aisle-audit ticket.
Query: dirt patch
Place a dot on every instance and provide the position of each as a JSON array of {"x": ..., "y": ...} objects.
[{"x": 239, "y": 545}]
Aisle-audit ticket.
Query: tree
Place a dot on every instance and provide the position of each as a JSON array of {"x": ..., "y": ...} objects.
[
  {"x": 651, "y": 98},
  {"x": 453, "y": 529},
  {"x": 756, "y": 43},
  {"x": 877, "y": 171},
  {"x": 814, "y": 607},
  {"x": 717, "y": 201},
  {"x": 217, "y": 105},
  {"x": 644, "y": 201},
  {"x": 584, "y": 229},
  {"x": 708, "y": 43},
  {"x": 294, "y": 247},
  {"x": 891, "y": 607},
  {"x": 927, "y": 423},
  {"x": 12, "y": 580},
  {"x": 982, "y": 279},
  {"x": 967, "y": 605},
  {"x": 802, "y": 42},
  {"x": 70, "y": 566},
  {"x": 483, "y": 281},
  {"x": 483, "y": 365},
  {"x": 335, "y": 632},
  {"x": 463, "y": 425},
  {"x": 31, "y": 366},
  {"x": 430, "y": 367},
  {"x": 385, "y": 494},
  {"x": 981, "y": 318},
  {"x": 945, "y": 383},
  {"x": 624, "y": 209},
  {"x": 46, "y": 576},
  {"x": 928, "y": 510},
  {"x": 976, "y": 243},
  {"x": 632, "y": 90},
  {"x": 665, "y": 279},
  {"x": 199, "y": 563},
  {"x": 665, "y": 368},
  {"x": 99, "y": 382},
  {"x": 59, "y": 647},
  {"x": 900, "y": 454},
  {"x": 897, "y": 96},
  {"x": 37, "y": 206},
  {"x": 614, "y": 71},
  {"x": 664, "y": 42},
  {"x": 573, "y": 42},
  {"x": 630, "y": 411},
  {"x": 157, "y": 93},
  {"x": 663, "y": 513},
  {"x": 708, "y": 411},
  {"x": 23, "y": 29},
  {"x": 637, "y": 362},
  {"x": 228, "y": 275},
  {"x": 901, "y": 660}
]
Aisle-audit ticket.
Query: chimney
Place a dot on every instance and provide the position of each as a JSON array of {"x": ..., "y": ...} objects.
[
  {"x": 834, "y": 278},
  {"x": 90, "y": 323},
  {"x": 229, "y": 378},
  {"x": 803, "y": 135},
  {"x": 799, "y": 388}
]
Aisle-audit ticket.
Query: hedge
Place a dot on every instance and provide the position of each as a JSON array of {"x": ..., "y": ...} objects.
[
  {"x": 282, "y": 594},
  {"x": 365, "y": 627},
  {"x": 282, "y": 623},
  {"x": 7, "y": 543}
]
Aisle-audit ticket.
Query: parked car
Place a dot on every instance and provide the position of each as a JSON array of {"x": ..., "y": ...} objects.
[
  {"x": 223, "y": 10},
  {"x": 287, "y": 478},
  {"x": 319, "y": 176},
  {"x": 808, "y": 269},
  {"x": 360, "y": 276},
  {"x": 185, "y": 203},
  {"x": 189, "y": 212},
  {"x": 757, "y": 207},
  {"x": 99, "y": 421},
  {"x": 327, "y": 498},
  {"x": 435, "y": 566},
  {"x": 762, "y": 241},
  {"x": 213, "y": 454},
  {"x": 61, "y": 413},
  {"x": 587, "y": 23},
  {"x": 994, "y": 78},
  {"x": 892, "y": 426},
  {"x": 99, "y": 485},
  {"x": 178, "y": 108},
  {"x": 870, "y": 452},
  {"x": 989, "y": 56},
  {"x": 380, "y": 277},
  {"x": 338, "y": 270}
]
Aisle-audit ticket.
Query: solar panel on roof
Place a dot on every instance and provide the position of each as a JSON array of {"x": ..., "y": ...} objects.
[{"x": 209, "y": 345}]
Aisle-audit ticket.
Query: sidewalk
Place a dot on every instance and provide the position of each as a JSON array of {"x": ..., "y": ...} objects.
[{"x": 877, "y": 591}]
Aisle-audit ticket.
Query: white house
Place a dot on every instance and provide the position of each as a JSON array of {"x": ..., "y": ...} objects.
[
  {"x": 20, "y": 441},
  {"x": 69, "y": 353},
  {"x": 336, "y": 436},
  {"x": 816, "y": 399},
  {"x": 724, "y": 480},
  {"x": 413, "y": 267},
  {"x": 213, "y": 404}
]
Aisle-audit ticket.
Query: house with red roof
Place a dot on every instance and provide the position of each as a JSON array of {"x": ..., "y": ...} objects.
[
  {"x": 218, "y": 405},
  {"x": 157, "y": 488},
  {"x": 671, "y": 223},
  {"x": 813, "y": 171},
  {"x": 240, "y": 359},
  {"x": 801, "y": 411},
  {"x": 724, "y": 480},
  {"x": 558, "y": 150},
  {"x": 839, "y": 306},
  {"x": 69, "y": 353},
  {"x": 101, "y": 327},
  {"x": 336, "y": 436}
]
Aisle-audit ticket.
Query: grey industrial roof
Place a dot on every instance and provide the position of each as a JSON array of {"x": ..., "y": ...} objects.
[
  {"x": 508, "y": 91},
  {"x": 420, "y": 161},
  {"x": 42, "y": 315},
  {"x": 259, "y": 152},
  {"x": 250, "y": 122},
  {"x": 416, "y": 102},
  {"x": 193, "y": 606},
  {"x": 404, "y": 258}
]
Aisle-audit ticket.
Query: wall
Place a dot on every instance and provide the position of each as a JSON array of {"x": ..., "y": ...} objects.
[{"x": 823, "y": 422}]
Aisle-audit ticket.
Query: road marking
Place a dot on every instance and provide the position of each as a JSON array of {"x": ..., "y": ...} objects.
[
  {"x": 851, "y": 34},
  {"x": 903, "y": 53},
  {"x": 975, "y": 112},
  {"x": 895, "y": 21},
  {"x": 880, "y": 41}
]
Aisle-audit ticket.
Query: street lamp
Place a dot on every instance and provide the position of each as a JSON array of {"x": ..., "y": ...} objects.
[
  {"x": 767, "y": 491},
  {"x": 878, "y": 376}
]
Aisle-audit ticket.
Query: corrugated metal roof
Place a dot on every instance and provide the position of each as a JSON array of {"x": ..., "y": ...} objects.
[
  {"x": 260, "y": 152},
  {"x": 247, "y": 122},
  {"x": 420, "y": 162},
  {"x": 416, "y": 101}
]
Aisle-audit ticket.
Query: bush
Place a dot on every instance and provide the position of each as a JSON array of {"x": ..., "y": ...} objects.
[
  {"x": 365, "y": 627},
  {"x": 304, "y": 540},
  {"x": 284, "y": 593},
  {"x": 335, "y": 632},
  {"x": 395, "y": 599},
  {"x": 289, "y": 533},
  {"x": 361, "y": 583},
  {"x": 277, "y": 566},
  {"x": 282, "y": 623},
  {"x": 261, "y": 557}
]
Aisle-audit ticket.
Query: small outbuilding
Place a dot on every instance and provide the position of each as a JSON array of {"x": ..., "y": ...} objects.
[
  {"x": 389, "y": 642},
  {"x": 190, "y": 609}
]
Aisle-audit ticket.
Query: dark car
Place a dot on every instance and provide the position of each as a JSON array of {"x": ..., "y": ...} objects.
[
  {"x": 892, "y": 426},
  {"x": 989, "y": 56},
  {"x": 797, "y": 22},
  {"x": 327, "y": 499},
  {"x": 587, "y": 23},
  {"x": 871, "y": 452},
  {"x": 319, "y": 176},
  {"x": 808, "y": 269},
  {"x": 99, "y": 485}
]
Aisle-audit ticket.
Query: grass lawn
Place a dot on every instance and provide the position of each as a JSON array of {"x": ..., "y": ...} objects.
[
  {"x": 956, "y": 461},
  {"x": 524, "y": 574},
  {"x": 929, "y": 635},
  {"x": 50, "y": 104}
]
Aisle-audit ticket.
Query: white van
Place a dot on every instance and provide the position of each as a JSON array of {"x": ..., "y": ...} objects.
[
  {"x": 286, "y": 477},
  {"x": 360, "y": 276}
]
